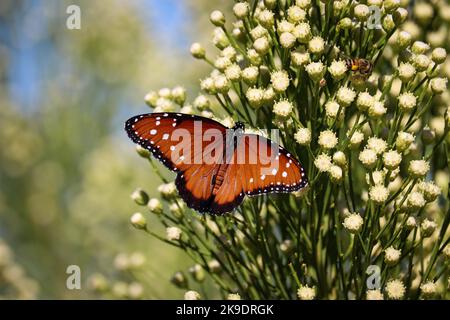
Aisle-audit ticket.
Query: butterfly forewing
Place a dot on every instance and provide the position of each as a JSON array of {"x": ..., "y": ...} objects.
[
  {"x": 211, "y": 178},
  {"x": 177, "y": 140}
]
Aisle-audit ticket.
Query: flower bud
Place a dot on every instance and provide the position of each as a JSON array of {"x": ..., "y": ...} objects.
[
  {"x": 303, "y": 136},
  {"x": 197, "y": 273},
  {"x": 388, "y": 23},
  {"x": 427, "y": 227},
  {"x": 392, "y": 256},
  {"x": 421, "y": 62},
  {"x": 217, "y": 18},
  {"x": 361, "y": 12},
  {"x": 140, "y": 197},
  {"x": 340, "y": 159},
  {"x": 283, "y": 108},
  {"x": 400, "y": 15},
  {"x": 255, "y": 97},
  {"x": 241, "y": 10},
  {"x": 303, "y": 32},
  {"x": 279, "y": 80},
  {"x": 406, "y": 72},
  {"x": 179, "y": 280},
  {"x": 353, "y": 223},
  {"x": 299, "y": 59},
  {"x": 179, "y": 95},
  {"x": 198, "y": 51},
  {"x": 316, "y": 45},
  {"x": 144, "y": 153},
  {"x": 418, "y": 168},
  {"x": 439, "y": 55},
  {"x": 345, "y": 24},
  {"x": 138, "y": 221},
  {"x": 151, "y": 98},
  {"x": 316, "y": 71},
  {"x": 438, "y": 85},
  {"x": 266, "y": 19},
  {"x": 173, "y": 233},
  {"x": 287, "y": 40},
  {"x": 262, "y": 45}
]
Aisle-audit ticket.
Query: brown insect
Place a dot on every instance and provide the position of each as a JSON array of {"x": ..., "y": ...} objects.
[{"x": 358, "y": 65}]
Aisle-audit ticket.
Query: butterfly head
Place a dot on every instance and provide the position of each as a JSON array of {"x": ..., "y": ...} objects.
[{"x": 239, "y": 126}]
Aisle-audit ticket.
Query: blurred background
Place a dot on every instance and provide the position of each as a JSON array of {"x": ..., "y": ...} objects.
[{"x": 67, "y": 168}]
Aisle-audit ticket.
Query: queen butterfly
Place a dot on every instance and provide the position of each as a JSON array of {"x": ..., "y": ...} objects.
[{"x": 216, "y": 166}]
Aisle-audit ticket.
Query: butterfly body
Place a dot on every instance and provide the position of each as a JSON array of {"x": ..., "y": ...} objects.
[{"x": 216, "y": 166}]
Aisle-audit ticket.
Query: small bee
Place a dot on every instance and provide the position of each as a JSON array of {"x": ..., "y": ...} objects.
[{"x": 362, "y": 66}]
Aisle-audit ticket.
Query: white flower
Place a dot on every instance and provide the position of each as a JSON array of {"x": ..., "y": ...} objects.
[
  {"x": 192, "y": 295},
  {"x": 258, "y": 32},
  {"x": 428, "y": 289},
  {"x": 406, "y": 72},
  {"x": 255, "y": 97},
  {"x": 340, "y": 159},
  {"x": 403, "y": 141},
  {"x": 296, "y": 14},
  {"x": 415, "y": 201},
  {"x": 411, "y": 222},
  {"x": 430, "y": 190},
  {"x": 306, "y": 293},
  {"x": 217, "y": 18},
  {"x": 338, "y": 69},
  {"x": 335, "y": 173},
  {"x": 138, "y": 221},
  {"x": 221, "y": 84},
  {"x": 418, "y": 168},
  {"x": 365, "y": 101},
  {"x": 262, "y": 45},
  {"x": 299, "y": 59},
  {"x": 374, "y": 294},
  {"x": 287, "y": 40},
  {"x": 421, "y": 62},
  {"x": 395, "y": 289},
  {"x": 323, "y": 162},
  {"x": 407, "y": 101},
  {"x": 438, "y": 85},
  {"x": 368, "y": 158},
  {"x": 304, "y": 4},
  {"x": 283, "y": 108},
  {"x": 167, "y": 190},
  {"x": 269, "y": 94},
  {"x": 228, "y": 122},
  {"x": 241, "y": 10},
  {"x": 376, "y": 144},
  {"x": 331, "y": 109},
  {"x": 353, "y": 223},
  {"x": 187, "y": 109},
  {"x": 316, "y": 71},
  {"x": 207, "y": 85},
  {"x": 439, "y": 55},
  {"x": 427, "y": 227},
  {"x": 392, "y": 159},
  {"x": 362, "y": 12},
  {"x": 155, "y": 206},
  {"x": 328, "y": 139},
  {"x": 164, "y": 105},
  {"x": 284, "y": 26},
  {"x": 392, "y": 256},
  {"x": 233, "y": 72},
  {"x": 265, "y": 18},
  {"x": 303, "y": 136},
  {"x": 316, "y": 45},
  {"x": 222, "y": 63},
  {"x": 303, "y": 32},
  {"x": 378, "y": 194},
  {"x": 280, "y": 80},
  {"x": 419, "y": 47},
  {"x": 404, "y": 39},
  {"x": 234, "y": 296},
  {"x": 345, "y": 96},
  {"x": 377, "y": 110},
  {"x": 214, "y": 266},
  {"x": 198, "y": 51},
  {"x": 377, "y": 176},
  {"x": 250, "y": 75},
  {"x": 356, "y": 138},
  {"x": 173, "y": 233}
]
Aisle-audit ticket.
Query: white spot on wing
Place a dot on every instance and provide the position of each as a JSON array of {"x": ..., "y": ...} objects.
[{"x": 153, "y": 131}]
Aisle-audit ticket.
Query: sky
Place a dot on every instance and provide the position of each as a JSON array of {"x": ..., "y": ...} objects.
[{"x": 164, "y": 20}]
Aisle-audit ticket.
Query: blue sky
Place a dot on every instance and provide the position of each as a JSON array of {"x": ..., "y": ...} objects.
[{"x": 165, "y": 20}]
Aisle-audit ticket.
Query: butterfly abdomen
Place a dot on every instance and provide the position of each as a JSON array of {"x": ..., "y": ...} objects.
[{"x": 218, "y": 178}]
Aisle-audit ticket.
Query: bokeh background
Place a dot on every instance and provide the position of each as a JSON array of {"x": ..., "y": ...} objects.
[{"x": 67, "y": 168}]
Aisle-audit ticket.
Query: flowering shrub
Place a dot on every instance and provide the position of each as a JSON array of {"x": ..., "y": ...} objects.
[{"x": 374, "y": 145}]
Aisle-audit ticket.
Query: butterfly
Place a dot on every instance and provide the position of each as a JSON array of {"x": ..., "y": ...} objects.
[{"x": 216, "y": 166}]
